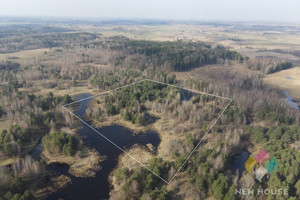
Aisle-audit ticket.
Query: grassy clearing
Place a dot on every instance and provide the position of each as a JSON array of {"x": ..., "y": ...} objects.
[
  {"x": 140, "y": 153},
  {"x": 281, "y": 81},
  {"x": 23, "y": 55},
  {"x": 72, "y": 91},
  {"x": 165, "y": 127},
  {"x": 6, "y": 162}
]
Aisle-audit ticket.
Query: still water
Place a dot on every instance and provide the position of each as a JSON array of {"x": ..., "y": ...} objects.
[{"x": 97, "y": 187}]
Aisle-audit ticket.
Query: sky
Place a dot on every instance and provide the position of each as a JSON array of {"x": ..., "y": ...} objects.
[{"x": 205, "y": 10}]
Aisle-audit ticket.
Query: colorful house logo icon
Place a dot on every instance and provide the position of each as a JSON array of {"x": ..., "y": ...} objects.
[
  {"x": 251, "y": 164},
  {"x": 272, "y": 165},
  {"x": 257, "y": 165},
  {"x": 261, "y": 155}
]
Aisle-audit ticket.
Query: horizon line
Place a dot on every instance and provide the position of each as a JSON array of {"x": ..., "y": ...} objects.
[{"x": 92, "y": 19}]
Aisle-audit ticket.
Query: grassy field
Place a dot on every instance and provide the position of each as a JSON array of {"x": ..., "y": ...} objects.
[
  {"x": 23, "y": 56},
  {"x": 288, "y": 80},
  {"x": 72, "y": 91},
  {"x": 245, "y": 39}
]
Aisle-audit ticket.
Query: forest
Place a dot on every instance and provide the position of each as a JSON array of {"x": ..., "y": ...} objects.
[
  {"x": 32, "y": 116},
  {"x": 177, "y": 56},
  {"x": 68, "y": 61}
]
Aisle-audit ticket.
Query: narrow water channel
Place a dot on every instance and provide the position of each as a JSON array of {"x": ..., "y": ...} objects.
[
  {"x": 290, "y": 101},
  {"x": 98, "y": 187}
]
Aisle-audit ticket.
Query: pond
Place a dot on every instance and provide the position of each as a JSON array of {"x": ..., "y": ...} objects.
[
  {"x": 238, "y": 162},
  {"x": 98, "y": 187}
]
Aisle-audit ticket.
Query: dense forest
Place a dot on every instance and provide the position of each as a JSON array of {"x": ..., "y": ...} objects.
[
  {"x": 174, "y": 56},
  {"x": 16, "y": 38},
  {"x": 268, "y": 66}
]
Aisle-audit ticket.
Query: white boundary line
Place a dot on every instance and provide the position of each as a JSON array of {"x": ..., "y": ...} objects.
[{"x": 199, "y": 92}]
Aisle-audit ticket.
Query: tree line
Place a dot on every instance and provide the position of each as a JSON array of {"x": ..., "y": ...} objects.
[{"x": 175, "y": 56}]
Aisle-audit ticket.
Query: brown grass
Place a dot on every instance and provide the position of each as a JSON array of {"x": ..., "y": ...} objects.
[
  {"x": 279, "y": 80},
  {"x": 53, "y": 185},
  {"x": 72, "y": 91},
  {"x": 24, "y": 56},
  {"x": 142, "y": 154},
  {"x": 83, "y": 164},
  {"x": 246, "y": 41}
]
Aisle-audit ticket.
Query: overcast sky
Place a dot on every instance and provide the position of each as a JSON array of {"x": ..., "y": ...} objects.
[{"x": 237, "y": 10}]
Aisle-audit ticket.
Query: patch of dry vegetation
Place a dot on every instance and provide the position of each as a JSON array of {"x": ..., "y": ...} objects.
[
  {"x": 85, "y": 163},
  {"x": 55, "y": 184},
  {"x": 142, "y": 154},
  {"x": 288, "y": 80}
]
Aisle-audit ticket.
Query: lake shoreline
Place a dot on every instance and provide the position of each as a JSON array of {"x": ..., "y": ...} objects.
[
  {"x": 125, "y": 137},
  {"x": 83, "y": 167}
]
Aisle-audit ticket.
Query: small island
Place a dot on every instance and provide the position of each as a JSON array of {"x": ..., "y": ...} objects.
[{"x": 64, "y": 148}]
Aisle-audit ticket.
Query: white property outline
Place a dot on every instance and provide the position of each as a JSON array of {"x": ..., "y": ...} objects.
[{"x": 195, "y": 91}]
